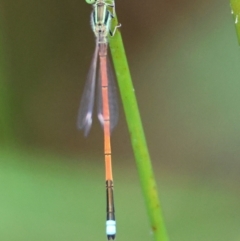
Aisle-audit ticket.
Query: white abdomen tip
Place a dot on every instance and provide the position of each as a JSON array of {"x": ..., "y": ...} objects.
[{"x": 111, "y": 227}]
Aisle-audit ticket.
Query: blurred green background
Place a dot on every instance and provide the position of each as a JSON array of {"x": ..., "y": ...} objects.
[{"x": 185, "y": 65}]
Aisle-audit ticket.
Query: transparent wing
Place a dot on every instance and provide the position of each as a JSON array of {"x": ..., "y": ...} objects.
[
  {"x": 84, "y": 120},
  {"x": 112, "y": 97}
]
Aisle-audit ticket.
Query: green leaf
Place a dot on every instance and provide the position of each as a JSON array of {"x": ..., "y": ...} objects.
[{"x": 235, "y": 6}]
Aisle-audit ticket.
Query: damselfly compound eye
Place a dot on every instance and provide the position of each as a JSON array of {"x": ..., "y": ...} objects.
[{"x": 90, "y": 1}]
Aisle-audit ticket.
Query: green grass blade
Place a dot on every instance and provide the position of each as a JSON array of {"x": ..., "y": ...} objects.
[
  {"x": 235, "y": 6},
  {"x": 139, "y": 144}
]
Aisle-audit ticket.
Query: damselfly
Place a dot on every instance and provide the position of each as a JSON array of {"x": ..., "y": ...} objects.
[{"x": 107, "y": 107}]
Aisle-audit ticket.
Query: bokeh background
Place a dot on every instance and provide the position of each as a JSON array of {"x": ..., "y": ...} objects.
[{"x": 185, "y": 64}]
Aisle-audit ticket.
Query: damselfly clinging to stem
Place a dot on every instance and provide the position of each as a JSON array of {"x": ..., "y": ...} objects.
[{"x": 107, "y": 108}]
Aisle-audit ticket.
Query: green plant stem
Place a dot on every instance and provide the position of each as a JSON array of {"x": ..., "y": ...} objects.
[
  {"x": 235, "y": 6},
  {"x": 139, "y": 144}
]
